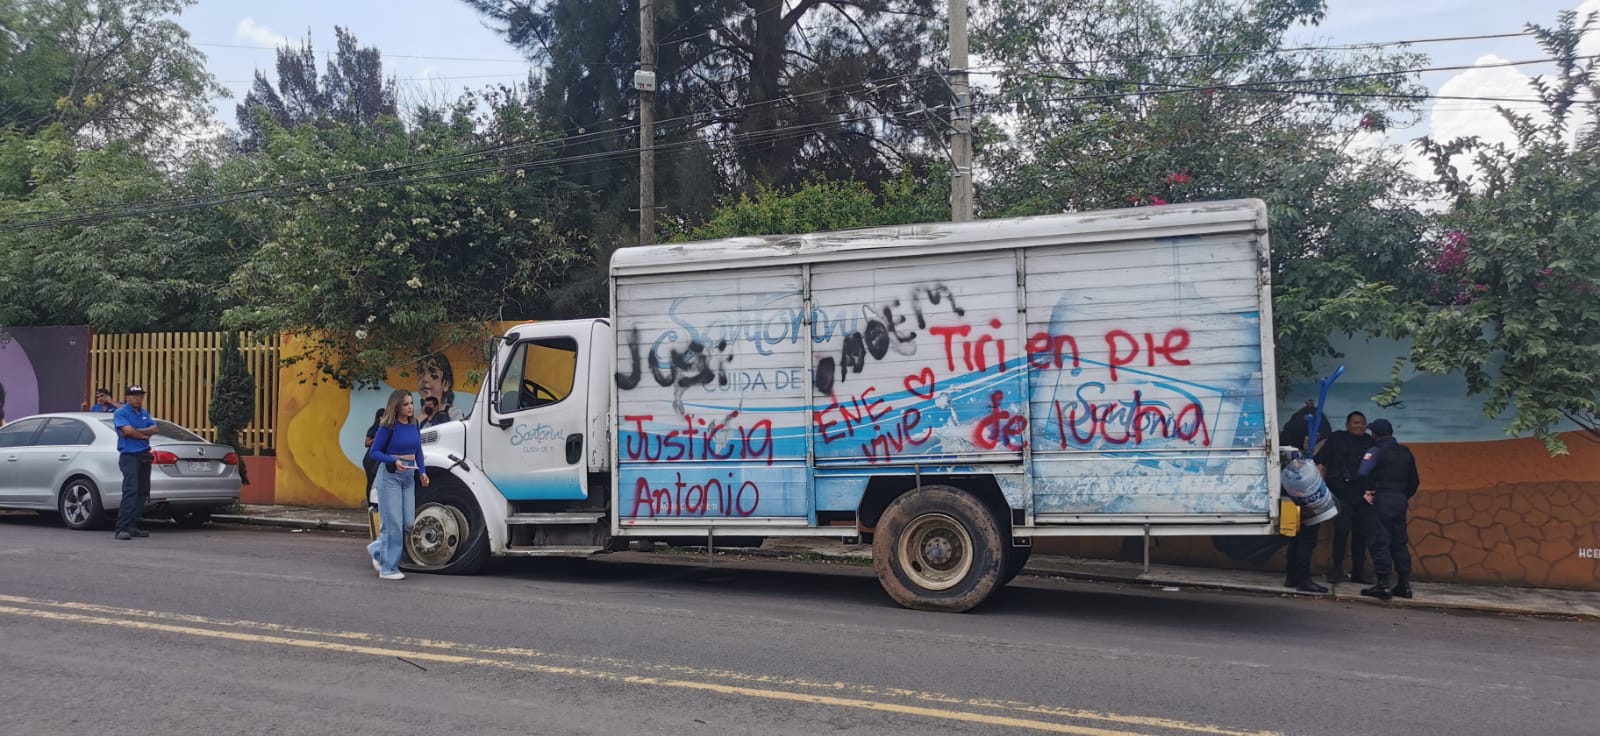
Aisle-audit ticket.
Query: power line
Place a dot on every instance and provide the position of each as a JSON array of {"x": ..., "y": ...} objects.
[
  {"x": 410, "y": 79},
  {"x": 1269, "y": 86},
  {"x": 511, "y": 148},
  {"x": 1258, "y": 52},
  {"x": 385, "y": 53},
  {"x": 508, "y": 149},
  {"x": 170, "y": 206}
]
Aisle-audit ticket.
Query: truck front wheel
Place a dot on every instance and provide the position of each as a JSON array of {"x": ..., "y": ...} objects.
[
  {"x": 938, "y": 549},
  {"x": 448, "y": 536}
]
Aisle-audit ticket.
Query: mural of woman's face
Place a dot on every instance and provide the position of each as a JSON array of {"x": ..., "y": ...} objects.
[{"x": 432, "y": 383}]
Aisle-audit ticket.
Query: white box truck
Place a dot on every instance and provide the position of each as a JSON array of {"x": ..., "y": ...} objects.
[{"x": 947, "y": 393}]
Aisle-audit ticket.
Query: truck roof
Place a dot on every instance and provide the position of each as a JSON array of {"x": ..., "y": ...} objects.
[{"x": 1165, "y": 221}]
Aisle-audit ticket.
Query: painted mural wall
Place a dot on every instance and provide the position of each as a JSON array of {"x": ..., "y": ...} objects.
[
  {"x": 43, "y": 369},
  {"x": 322, "y": 427}
]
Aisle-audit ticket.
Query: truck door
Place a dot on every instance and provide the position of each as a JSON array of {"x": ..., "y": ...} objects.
[{"x": 533, "y": 443}]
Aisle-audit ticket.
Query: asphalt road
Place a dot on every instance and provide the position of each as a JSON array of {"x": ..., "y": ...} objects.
[{"x": 256, "y": 631}]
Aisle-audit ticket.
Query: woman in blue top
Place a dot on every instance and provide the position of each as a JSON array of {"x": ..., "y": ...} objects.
[{"x": 397, "y": 445}]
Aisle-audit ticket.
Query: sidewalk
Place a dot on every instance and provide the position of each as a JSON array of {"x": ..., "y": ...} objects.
[{"x": 1455, "y": 596}]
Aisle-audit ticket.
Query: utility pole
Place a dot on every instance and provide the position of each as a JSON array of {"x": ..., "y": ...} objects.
[
  {"x": 961, "y": 117},
  {"x": 644, "y": 81}
]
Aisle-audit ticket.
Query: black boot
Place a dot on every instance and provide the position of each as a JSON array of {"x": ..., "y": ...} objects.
[
  {"x": 1378, "y": 590},
  {"x": 1403, "y": 588},
  {"x": 1310, "y": 586}
]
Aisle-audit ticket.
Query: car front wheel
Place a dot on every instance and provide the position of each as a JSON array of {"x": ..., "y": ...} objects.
[{"x": 79, "y": 505}]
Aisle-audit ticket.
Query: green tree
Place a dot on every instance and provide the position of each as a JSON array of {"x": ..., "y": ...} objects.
[
  {"x": 1513, "y": 303},
  {"x": 102, "y": 70},
  {"x": 825, "y": 205},
  {"x": 757, "y": 92},
  {"x": 1111, "y": 103},
  {"x": 354, "y": 91},
  {"x": 113, "y": 273},
  {"x": 233, "y": 396},
  {"x": 409, "y": 234}
]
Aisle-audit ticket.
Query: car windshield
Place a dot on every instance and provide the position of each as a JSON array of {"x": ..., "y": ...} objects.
[{"x": 169, "y": 432}]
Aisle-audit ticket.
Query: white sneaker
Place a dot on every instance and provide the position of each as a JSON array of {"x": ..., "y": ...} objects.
[
  {"x": 375, "y": 566},
  {"x": 397, "y": 575}
]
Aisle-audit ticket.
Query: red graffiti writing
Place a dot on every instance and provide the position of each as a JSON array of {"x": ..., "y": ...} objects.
[
  {"x": 714, "y": 497},
  {"x": 975, "y": 351},
  {"x": 921, "y": 384},
  {"x": 893, "y": 441},
  {"x": 1046, "y": 351},
  {"x": 858, "y": 410},
  {"x": 700, "y": 439},
  {"x": 1001, "y": 427},
  {"x": 1123, "y": 348},
  {"x": 1122, "y": 423}
]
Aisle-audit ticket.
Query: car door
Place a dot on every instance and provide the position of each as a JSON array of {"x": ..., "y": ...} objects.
[
  {"x": 47, "y": 459},
  {"x": 16, "y": 440}
]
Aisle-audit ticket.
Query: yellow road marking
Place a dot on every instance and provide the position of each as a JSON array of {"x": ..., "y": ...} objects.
[{"x": 588, "y": 672}]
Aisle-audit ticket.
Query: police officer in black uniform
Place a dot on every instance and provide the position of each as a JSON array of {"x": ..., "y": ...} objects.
[
  {"x": 1388, "y": 474},
  {"x": 1339, "y": 460}
]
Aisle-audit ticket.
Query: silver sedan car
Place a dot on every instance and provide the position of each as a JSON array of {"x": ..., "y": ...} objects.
[{"x": 67, "y": 464}]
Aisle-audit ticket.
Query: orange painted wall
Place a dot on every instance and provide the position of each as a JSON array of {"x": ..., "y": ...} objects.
[{"x": 1501, "y": 512}]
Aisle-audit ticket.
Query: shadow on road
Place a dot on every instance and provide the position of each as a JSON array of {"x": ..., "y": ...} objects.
[
  {"x": 809, "y": 584},
  {"x": 50, "y": 520}
]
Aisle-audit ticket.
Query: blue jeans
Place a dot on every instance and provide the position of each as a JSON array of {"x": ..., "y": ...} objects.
[
  {"x": 135, "y": 490},
  {"x": 397, "y": 511}
]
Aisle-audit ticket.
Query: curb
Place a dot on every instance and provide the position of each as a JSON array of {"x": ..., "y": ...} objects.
[
  {"x": 338, "y": 526},
  {"x": 1424, "y": 603}
]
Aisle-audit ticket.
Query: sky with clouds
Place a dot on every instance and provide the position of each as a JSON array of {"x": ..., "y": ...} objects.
[{"x": 438, "y": 48}]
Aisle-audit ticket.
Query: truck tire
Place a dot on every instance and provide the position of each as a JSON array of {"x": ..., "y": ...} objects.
[
  {"x": 1016, "y": 559},
  {"x": 938, "y": 549},
  {"x": 449, "y": 536}
]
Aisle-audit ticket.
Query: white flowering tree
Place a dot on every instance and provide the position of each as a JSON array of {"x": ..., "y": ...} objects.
[{"x": 395, "y": 242}]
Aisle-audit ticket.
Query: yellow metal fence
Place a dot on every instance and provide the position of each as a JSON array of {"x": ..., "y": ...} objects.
[{"x": 178, "y": 370}]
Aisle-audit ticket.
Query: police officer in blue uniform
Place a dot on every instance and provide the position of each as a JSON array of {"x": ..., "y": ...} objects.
[
  {"x": 1389, "y": 477},
  {"x": 134, "y": 428}
]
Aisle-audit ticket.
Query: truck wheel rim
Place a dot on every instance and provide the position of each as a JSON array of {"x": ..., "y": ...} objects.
[
  {"x": 78, "y": 504},
  {"x": 438, "y": 532},
  {"x": 935, "y": 551}
]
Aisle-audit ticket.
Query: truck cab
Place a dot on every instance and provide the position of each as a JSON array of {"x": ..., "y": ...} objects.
[{"x": 525, "y": 474}]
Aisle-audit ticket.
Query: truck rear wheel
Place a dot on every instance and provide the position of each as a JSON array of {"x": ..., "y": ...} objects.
[
  {"x": 938, "y": 549},
  {"x": 448, "y": 536}
]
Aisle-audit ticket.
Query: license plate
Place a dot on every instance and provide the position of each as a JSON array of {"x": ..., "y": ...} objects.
[{"x": 197, "y": 466}]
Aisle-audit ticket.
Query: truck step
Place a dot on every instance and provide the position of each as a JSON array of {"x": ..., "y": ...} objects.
[
  {"x": 554, "y": 551},
  {"x": 566, "y": 517}
]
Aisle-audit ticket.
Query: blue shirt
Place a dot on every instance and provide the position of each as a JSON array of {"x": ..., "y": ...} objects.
[
  {"x": 104, "y": 409},
  {"x": 128, "y": 416},
  {"x": 404, "y": 438}
]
